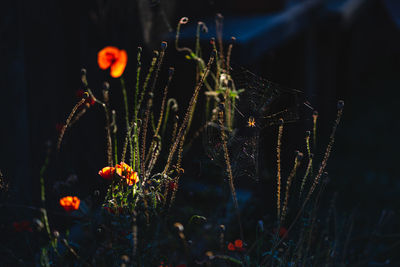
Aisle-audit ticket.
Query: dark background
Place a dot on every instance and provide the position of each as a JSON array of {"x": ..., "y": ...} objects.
[{"x": 346, "y": 50}]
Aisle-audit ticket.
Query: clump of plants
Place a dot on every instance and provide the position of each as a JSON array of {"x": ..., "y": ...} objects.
[
  {"x": 133, "y": 226},
  {"x": 141, "y": 187}
]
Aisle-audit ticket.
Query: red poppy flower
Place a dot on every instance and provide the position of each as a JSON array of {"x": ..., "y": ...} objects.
[
  {"x": 107, "y": 172},
  {"x": 22, "y": 226},
  {"x": 70, "y": 203},
  {"x": 231, "y": 246},
  {"x": 236, "y": 246},
  {"x": 113, "y": 58},
  {"x": 238, "y": 243}
]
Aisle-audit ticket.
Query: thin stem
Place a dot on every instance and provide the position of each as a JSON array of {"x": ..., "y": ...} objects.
[
  {"x": 229, "y": 171},
  {"x": 75, "y": 108},
  {"x": 186, "y": 118},
  {"x": 43, "y": 192},
  {"x": 135, "y": 119},
  {"x": 278, "y": 163}
]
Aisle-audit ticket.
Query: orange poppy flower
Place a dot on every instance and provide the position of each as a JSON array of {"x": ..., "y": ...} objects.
[
  {"x": 107, "y": 172},
  {"x": 125, "y": 171},
  {"x": 113, "y": 58},
  {"x": 70, "y": 203}
]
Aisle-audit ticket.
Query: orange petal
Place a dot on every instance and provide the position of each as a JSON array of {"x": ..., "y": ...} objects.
[
  {"x": 70, "y": 203},
  {"x": 238, "y": 243},
  {"x": 123, "y": 164},
  {"x": 132, "y": 178},
  {"x": 118, "y": 66},
  {"x": 119, "y": 169},
  {"x": 107, "y": 172},
  {"x": 129, "y": 182},
  {"x": 107, "y": 56},
  {"x": 75, "y": 203}
]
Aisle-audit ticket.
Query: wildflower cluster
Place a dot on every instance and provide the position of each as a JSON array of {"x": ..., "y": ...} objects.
[
  {"x": 236, "y": 246},
  {"x": 123, "y": 171},
  {"x": 141, "y": 188}
]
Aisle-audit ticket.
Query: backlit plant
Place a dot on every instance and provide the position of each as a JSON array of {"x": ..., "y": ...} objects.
[{"x": 133, "y": 226}]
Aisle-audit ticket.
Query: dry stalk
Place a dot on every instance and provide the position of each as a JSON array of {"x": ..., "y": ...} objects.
[
  {"x": 60, "y": 137},
  {"x": 340, "y": 107},
  {"x": 229, "y": 170},
  {"x": 187, "y": 115},
  {"x": 292, "y": 174},
  {"x": 278, "y": 163}
]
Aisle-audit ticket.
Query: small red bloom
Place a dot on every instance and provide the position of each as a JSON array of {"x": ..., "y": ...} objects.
[
  {"x": 282, "y": 232},
  {"x": 236, "y": 246},
  {"x": 231, "y": 246},
  {"x": 22, "y": 226},
  {"x": 70, "y": 203},
  {"x": 238, "y": 243},
  {"x": 113, "y": 58}
]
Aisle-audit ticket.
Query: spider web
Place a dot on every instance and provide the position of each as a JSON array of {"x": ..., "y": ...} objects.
[{"x": 262, "y": 100}]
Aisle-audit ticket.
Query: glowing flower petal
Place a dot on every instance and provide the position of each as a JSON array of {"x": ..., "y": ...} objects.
[
  {"x": 70, "y": 203},
  {"x": 238, "y": 243},
  {"x": 118, "y": 67},
  {"x": 126, "y": 167},
  {"x": 107, "y": 56},
  {"x": 112, "y": 57},
  {"x": 132, "y": 178},
  {"x": 107, "y": 172}
]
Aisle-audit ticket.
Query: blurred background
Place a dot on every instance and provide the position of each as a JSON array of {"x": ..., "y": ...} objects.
[{"x": 329, "y": 49}]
